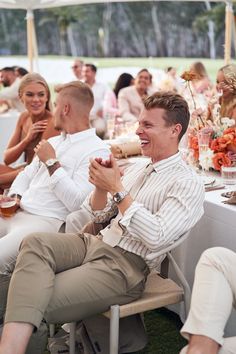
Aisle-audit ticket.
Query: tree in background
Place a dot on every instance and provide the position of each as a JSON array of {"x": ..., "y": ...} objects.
[{"x": 137, "y": 29}]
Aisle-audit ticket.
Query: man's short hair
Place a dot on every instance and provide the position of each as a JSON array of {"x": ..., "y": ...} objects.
[
  {"x": 91, "y": 66},
  {"x": 78, "y": 91},
  {"x": 175, "y": 106},
  {"x": 8, "y": 68}
]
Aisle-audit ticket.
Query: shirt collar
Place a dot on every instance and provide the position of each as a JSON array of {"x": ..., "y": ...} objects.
[
  {"x": 165, "y": 163},
  {"x": 80, "y": 135}
]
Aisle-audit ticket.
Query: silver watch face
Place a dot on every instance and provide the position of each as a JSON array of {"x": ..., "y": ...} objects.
[
  {"x": 50, "y": 162},
  {"x": 119, "y": 196}
]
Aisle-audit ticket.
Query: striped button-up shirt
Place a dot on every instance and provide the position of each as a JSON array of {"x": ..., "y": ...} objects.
[{"x": 168, "y": 204}]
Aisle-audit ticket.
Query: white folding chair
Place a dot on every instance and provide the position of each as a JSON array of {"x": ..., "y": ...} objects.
[{"x": 159, "y": 291}]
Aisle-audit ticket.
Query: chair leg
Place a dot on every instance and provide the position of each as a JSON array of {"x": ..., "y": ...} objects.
[
  {"x": 72, "y": 337},
  {"x": 51, "y": 330},
  {"x": 114, "y": 329},
  {"x": 181, "y": 277}
]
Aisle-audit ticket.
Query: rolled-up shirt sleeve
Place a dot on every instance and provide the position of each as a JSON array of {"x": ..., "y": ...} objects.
[{"x": 103, "y": 215}]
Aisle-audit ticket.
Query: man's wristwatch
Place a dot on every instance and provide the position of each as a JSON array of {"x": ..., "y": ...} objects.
[
  {"x": 51, "y": 162},
  {"x": 119, "y": 196}
]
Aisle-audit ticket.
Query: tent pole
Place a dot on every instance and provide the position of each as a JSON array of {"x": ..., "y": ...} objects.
[
  {"x": 228, "y": 31},
  {"x": 30, "y": 49}
]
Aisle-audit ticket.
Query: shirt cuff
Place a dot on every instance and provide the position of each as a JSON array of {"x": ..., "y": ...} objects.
[{"x": 100, "y": 216}]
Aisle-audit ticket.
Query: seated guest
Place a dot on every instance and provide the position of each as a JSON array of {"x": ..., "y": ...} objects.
[
  {"x": 77, "y": 68},
  {"x": 202, "y": 83},
  {"x": 171, "y": 81},
  {"x": 56, "y": 181},
  {"x": 226, "y": 86},
  {"x": 75, "y": 276},
  {"x": 97, "y": 119},
  {"x": 110, "y": 105},
  {"x": 130, "y": 99},
  {"x": 20, "y": 72},
  {"x": 214, "y": 293},
  {"x": 35, "y": 124},
  {"x": 11, "y": 85}
]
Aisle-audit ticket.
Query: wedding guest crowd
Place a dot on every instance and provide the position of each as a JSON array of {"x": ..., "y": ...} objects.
[{"x": 74, "y": 276}]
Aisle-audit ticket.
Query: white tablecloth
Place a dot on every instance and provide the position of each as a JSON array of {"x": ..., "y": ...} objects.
[
  {"x": 7, "y": 125},
  {"x": 216, "y": 228}
]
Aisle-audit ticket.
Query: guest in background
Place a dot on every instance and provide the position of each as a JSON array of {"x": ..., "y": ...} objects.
[
  {"x": 9, "y": 93},
  {"x": 214, "y": 294},
  {"x": 97, "y": 119},
  {"x": 130, "y": 99},
  {"x": 110, "y": 100},
  {"x": 20, "y": 72},
  {"x": 171, "y": 82},
  {"x": 77, "y": 68},
  {"x": 202, "y": 83},
  {"x": 223, "y": 104},
  {"x": 226, "y": 87},
  {"x": 33, "y": 125}
]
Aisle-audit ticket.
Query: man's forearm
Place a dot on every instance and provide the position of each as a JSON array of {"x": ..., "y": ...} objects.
[{"x": 98, "y": 199}]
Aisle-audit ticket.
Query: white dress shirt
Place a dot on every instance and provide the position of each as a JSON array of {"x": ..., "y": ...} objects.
[
  {"x": 65, "y": 190},
  {"x": 167, "y": 205},
  {"x": 99, "y": 90},
  {"x": 11, "y": 94}
]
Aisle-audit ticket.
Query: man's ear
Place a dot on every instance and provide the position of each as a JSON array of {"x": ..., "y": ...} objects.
[
  {"x": 177, "y": 128},
  {"x": 66, "y": 109}
]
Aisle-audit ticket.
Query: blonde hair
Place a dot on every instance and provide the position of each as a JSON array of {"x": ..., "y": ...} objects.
[
  {"x": 228, "y": 104},
  {"x": 79, "y": 91},
  {"x": 34, "y": 78}
]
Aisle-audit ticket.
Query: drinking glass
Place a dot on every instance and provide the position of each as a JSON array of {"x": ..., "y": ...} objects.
[
  {"x": 8, "y": 204},
  {"x": 228, "y": 175},
  {"x": 110, "y": 119},
  {"x": 203, "y": 145}
]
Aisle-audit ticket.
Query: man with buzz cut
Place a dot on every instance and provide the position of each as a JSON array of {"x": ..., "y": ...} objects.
[{"x": 78, "y": 275}]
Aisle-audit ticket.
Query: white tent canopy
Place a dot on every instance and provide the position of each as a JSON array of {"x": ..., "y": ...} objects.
[{"x": 30, "y": 5}]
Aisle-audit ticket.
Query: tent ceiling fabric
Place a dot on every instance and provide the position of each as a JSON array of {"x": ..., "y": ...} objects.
[{"x": 40, "y": 4}]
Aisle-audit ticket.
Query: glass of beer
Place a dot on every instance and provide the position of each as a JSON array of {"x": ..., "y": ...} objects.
[{"x": 8, "y": 204}]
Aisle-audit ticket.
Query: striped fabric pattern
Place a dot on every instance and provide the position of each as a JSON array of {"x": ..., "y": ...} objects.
[{"x": 168, "y": 204}]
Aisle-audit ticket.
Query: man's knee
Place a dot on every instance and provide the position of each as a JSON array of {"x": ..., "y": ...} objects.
[
  {"x": 216, "y": 256},
  {"x": 33, "y": 241}
]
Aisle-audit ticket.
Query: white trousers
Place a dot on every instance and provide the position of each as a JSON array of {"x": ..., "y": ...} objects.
[
  {"x": 214, "y": 293},
  {"x": 14, "y": 229}
]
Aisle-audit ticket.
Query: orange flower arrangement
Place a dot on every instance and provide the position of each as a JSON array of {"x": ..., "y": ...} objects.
[
  {"x": 223, "y": 148},
  {"x": 221, "y": 159}
]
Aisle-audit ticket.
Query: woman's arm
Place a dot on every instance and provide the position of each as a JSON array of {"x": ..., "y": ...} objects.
[{"x": 15, "y": 146}]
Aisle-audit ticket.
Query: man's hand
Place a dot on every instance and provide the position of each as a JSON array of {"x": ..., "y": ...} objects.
[
  {"x": 105, "y": 175},
  {"x": 45, "y": 151}
]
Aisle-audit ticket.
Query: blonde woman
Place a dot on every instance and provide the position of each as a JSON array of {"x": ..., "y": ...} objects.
[{"x": 33, "y": 125}]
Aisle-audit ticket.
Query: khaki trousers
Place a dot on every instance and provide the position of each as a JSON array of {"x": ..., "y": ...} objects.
[
  {"x": 214, "y": 293},
  {"x": 69, "y": 277}
]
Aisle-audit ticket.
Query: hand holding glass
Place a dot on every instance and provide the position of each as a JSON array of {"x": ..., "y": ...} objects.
[{"x": 8, "y": 204}]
